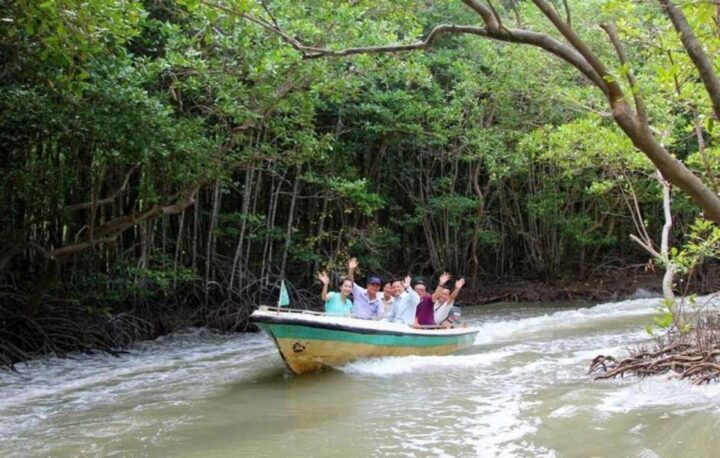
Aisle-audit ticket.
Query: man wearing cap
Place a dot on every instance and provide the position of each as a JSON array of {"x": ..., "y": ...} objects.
[{"x": 366, "y": 303}]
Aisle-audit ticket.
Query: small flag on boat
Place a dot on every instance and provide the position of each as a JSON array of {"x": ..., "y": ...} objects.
[{"x": 284, "y": 299}]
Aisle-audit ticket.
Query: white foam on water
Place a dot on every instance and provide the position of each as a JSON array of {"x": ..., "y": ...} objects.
[
  {"x": 647, "y": 453},
  {"x": 661, "y": 391},
  {"x": 566, "y": 411},
  {"x": 104, "y": 374},
  {"x": 405, "y": 364},
  {"x": 499, "y": 331},
  {"x": 500, "y": 425},
  {"x": 577, "y": 319},
  {"x": 169, "y": 371}
]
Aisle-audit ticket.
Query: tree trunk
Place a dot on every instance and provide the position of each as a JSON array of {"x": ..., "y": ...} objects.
[
  {"x": 196, "y": 229},
  {"x": 178, "y": 244},
  {"x": 210, "y": 246},
  {"x": 288, "y": 229},
  {"x": 243, "y": 225}
]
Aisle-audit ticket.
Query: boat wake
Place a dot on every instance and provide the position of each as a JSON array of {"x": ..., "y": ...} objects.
[
  {"x": 566, "y": 320},
  {"x": 405, "y": 364}
]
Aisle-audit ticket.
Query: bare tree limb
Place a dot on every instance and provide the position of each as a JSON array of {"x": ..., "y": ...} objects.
[
  {"x": 110, "y": 230},
  {"x": 613, "y": 89},
  {"x": 495, "y": 13},
  {"x": 645, "y": 246},
  {"x": 108, "y": 200}
]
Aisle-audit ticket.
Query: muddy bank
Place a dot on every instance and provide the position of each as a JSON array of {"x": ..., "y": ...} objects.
[{"x": 618, "y": 285}]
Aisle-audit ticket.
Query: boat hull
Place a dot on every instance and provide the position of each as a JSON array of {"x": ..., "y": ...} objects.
[{"x": 311, "y": 343}]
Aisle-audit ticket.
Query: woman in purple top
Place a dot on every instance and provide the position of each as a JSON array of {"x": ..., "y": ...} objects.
[
  {"x": 424, "y": 315},
  {"x": 425, "y": 312}
]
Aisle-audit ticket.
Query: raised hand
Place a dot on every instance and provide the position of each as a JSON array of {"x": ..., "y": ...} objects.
[
  {"x": 323, "y": 277},
  {"x": 444, "y": 278},
  {"x": 406, "y": 282},
  {"x": 352, "y": 264},
  {"x": 458, "y": 285}
]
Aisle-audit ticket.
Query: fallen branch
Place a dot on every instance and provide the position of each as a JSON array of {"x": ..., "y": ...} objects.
[{"x": 694, "y": 356}]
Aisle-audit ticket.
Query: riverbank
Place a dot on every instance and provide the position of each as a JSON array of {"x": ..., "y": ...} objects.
[{"x": 610, "y": 286}]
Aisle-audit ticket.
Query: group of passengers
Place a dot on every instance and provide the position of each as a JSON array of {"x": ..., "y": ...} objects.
[{"x": 398, "y": 301}]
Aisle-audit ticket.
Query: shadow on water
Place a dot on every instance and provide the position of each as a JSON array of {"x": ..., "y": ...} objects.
[{"x": 281, "y": 376}]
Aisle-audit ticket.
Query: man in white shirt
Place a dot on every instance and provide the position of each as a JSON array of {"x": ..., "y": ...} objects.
[
  {"x": 387, "y": 297},
  {"x": 406, "y": 300}
]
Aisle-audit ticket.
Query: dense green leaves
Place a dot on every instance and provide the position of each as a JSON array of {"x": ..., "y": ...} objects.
[{"x": 483, "y": 158}]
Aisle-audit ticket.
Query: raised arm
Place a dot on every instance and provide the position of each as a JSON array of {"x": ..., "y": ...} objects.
[
  {"x": 352, "y": 266},
  {"x": 325, "y": 280},
  {"x": 414, "y": 297},
  {"x": 443, "y": 279},
  {"x": 458, "y": 286}
]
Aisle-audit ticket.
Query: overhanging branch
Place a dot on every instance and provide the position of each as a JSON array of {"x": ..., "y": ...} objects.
[
  {"x": 492, "y": 30},
  {"x": 695, "y": 51}
]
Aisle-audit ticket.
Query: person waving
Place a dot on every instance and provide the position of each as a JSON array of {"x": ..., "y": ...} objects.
[{"x": 336, "y": 303}]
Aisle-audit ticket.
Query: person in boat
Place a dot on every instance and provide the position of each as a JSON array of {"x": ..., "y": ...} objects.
[
  {"x": 420, "y": 288},
  {"x": 454, "y": 318},
  {"x": 366, "y": 301},
  {"x": 388, "y": 296},
  {"x": 406, "y": 300},
  {"x": 445, "y": 301},
  {"x": 425, "y": 314},
  {"x": 336, "y": 303}
]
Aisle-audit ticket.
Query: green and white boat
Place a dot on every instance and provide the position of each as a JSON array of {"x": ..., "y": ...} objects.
[{"x": 310, "y": 341}]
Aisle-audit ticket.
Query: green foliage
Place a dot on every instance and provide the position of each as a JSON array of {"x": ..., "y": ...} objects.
[
  {"x": 703, "y": 242},
  {"x": 409, "y": 161},
  {"x": 357, "y": 194},
  {"x": 126, "y": 282}
]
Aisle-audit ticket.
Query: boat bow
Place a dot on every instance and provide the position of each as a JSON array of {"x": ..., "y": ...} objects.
[{"x": 309, "y": 341}]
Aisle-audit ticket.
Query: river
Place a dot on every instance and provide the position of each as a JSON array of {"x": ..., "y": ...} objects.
[{"x": 521, "y": 390}]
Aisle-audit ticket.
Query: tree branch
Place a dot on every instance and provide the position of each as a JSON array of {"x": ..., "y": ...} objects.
[
  {"x": 109, "y": 231},
  {"x": 495, "y": 14},
  {"x": 699, "y": 57},
  {"x": 645, "y": 246},
  {"x": 612, "y": 88},
  {"x": 493, "y": 30},
  {"x": 107, "y": 200},
  {"x": 567, "y": 13},
  {"x": 578, "y": 54},
  {"x": 639, "y": 105},
  {"x": 314, "y": 53}
]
